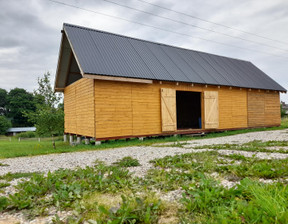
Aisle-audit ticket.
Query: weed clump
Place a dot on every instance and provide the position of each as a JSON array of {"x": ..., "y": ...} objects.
[{"x": 127, "y": 161}]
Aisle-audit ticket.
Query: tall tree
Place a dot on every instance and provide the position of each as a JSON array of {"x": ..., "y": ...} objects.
[
  {"x": 49, "y": 116},
  {"x": 19, "y": 102},
  {"x": 3, "y": 101}
]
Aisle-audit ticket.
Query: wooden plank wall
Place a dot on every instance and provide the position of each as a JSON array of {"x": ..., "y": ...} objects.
[
  {"x": 113, "y": 108},
  {"x": 70, "y": 109},
  {"x": 129, "y": 109},
  {"x": 79, "y": 108},
  {"x": 263, "y": 109},
  {"x": 104, "y": 109},
  {"x": 232, "y": 108}
]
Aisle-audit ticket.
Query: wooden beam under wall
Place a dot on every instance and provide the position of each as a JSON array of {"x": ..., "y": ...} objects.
[{"x": 119, "y": 79}]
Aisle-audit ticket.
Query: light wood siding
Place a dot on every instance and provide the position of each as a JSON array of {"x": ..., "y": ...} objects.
[
  {"x": 79, "y": 108},
  {"x": 263, "y": 109},
  {"x": 70, "y": 109},
  {"x": 232, "y": 108},
  {"x": 146, "y": 111},
  {"x": 168, "y": 110},
  {"x": 129, "y": 109},
  {"x": 113, "y": 107},
  {"x": 134, "y": 109},
  {"x": 211, "y": 109}
]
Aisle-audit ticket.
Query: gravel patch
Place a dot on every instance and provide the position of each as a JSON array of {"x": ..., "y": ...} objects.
[
  {"x": 278, "y": 135},
  {"x": 277, "y": 148},
  {"x": 52, "y": 162},
  {"x": 259, "y": 155}
]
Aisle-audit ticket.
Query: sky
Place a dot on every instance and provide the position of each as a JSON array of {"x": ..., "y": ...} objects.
[{"x": 31, "y": 31}]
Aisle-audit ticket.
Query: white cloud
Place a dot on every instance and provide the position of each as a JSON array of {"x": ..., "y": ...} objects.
[{"x": 30, "y": 29}]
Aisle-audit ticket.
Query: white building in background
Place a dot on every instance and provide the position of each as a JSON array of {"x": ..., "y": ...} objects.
[{"x": 14, "y": 131}]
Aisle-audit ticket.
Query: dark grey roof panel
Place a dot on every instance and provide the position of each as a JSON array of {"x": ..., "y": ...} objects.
[
  {"x": 237, "y": 80},
  {"x": 261, "y": 75},
  {"x": 166, "y": 62},
  {"x": 190, "y": 74},
  {"x": 157, "y": 69},
  {"x": 104, "y": 53},
  {"x": 106, "y": 44},
  {"x": 135, "y": 64},
  {"x": 86, "y": 52},
  {"x": 243, "y": 72},
  {"x": 195, "y": 67},
  {"x": 221, "y": 74},
  {"x": 212, "y": 76}
]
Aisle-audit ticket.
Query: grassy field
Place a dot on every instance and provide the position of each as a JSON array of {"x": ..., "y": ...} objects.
[
  {"x": 258, "y": 191},
  {"x": 27, "y": 147}
]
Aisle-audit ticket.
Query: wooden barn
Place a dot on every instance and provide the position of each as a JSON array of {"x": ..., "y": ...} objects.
[{"x": 120, "y": 87}]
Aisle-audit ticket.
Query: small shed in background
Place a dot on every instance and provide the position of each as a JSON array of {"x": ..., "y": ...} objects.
[
  {"x": 15, "y": 131},
  {"x": 120, "y": 87}
]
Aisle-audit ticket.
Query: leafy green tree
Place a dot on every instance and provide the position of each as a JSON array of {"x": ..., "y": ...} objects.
[
  {"x": 283, "y": 112},
  {"x": 49, "y": 116},
  {"x": 3, "y": 101},
  {"x": 4, "y": 125},
  {"x": 20, "y": 102}
]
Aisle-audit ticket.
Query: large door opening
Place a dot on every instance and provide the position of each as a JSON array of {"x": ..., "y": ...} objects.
[{"x": 188, "y": 107}]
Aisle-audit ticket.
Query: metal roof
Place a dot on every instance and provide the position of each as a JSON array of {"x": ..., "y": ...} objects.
[
  {"x": 21, "y": 129},
  {"x": 103, "y": 53}
]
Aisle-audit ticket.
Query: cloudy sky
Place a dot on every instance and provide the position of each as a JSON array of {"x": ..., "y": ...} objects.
[{"x": 30, "y": 31}]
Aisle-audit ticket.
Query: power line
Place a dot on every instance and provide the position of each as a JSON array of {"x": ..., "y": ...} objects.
[
  {"x": 195, "y": 26},
  {"x": 159, "y": 28},
  {"x": 208, "y": 21}
]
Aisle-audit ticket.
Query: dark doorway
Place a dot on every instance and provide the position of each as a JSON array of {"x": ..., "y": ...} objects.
[{"x": 188, "y": 106}]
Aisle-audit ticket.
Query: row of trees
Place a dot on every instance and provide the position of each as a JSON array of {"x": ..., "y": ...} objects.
[{"x": 42, "y": 109}]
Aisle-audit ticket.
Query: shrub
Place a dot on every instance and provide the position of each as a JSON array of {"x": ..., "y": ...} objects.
[
  {"x": 28, "y": 134},
  {"x": 4, "y": 125}
]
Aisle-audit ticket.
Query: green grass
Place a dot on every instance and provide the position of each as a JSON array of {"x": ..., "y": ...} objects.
[
  {"x": 14, "y": 148},
  {"x": 253, "y": 146},
  {"x": 109, "y": 194},
  {"x": 127, "y": 161},
  {"x": 4, "y": 184},
  {"x": 11, "y": 176}
]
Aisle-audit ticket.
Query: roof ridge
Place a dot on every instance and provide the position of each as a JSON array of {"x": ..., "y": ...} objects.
[{"x": 153, "y": 42}]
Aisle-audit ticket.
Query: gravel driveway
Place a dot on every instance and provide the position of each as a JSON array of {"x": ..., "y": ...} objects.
[{"x": 45, "y": 163}]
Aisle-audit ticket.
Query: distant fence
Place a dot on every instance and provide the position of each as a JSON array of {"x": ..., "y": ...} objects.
[{"x": 39, "y": 139}]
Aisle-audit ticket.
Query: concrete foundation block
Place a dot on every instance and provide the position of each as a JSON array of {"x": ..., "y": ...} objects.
[
  {"x": 87, "y": 141},
  {"x": 71, "y": 139},
  {"x": 97, "y": 142},
  {"x": 78, "y": 140},
  {"x": 65, "y": 138}
]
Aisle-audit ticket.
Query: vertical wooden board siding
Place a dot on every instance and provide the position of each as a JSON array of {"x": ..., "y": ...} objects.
[
  {"x": 168, "y": 109},
  {"x": 272, "y": 109},
  {"x": 131, "y": 109},
  {"x": 78, "y": 108},
  {"x": 70, "y": 110},
  {"x": 84, "y": 103},
  {"x": 232, "y": 108},
  {"x": 113, "y": 109},
  {"x": 146, "y": 109},
  {"x": 211, "y": 109},
  {"x": 263, "y": 109},
  {"x": 256, "y": 109}
]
